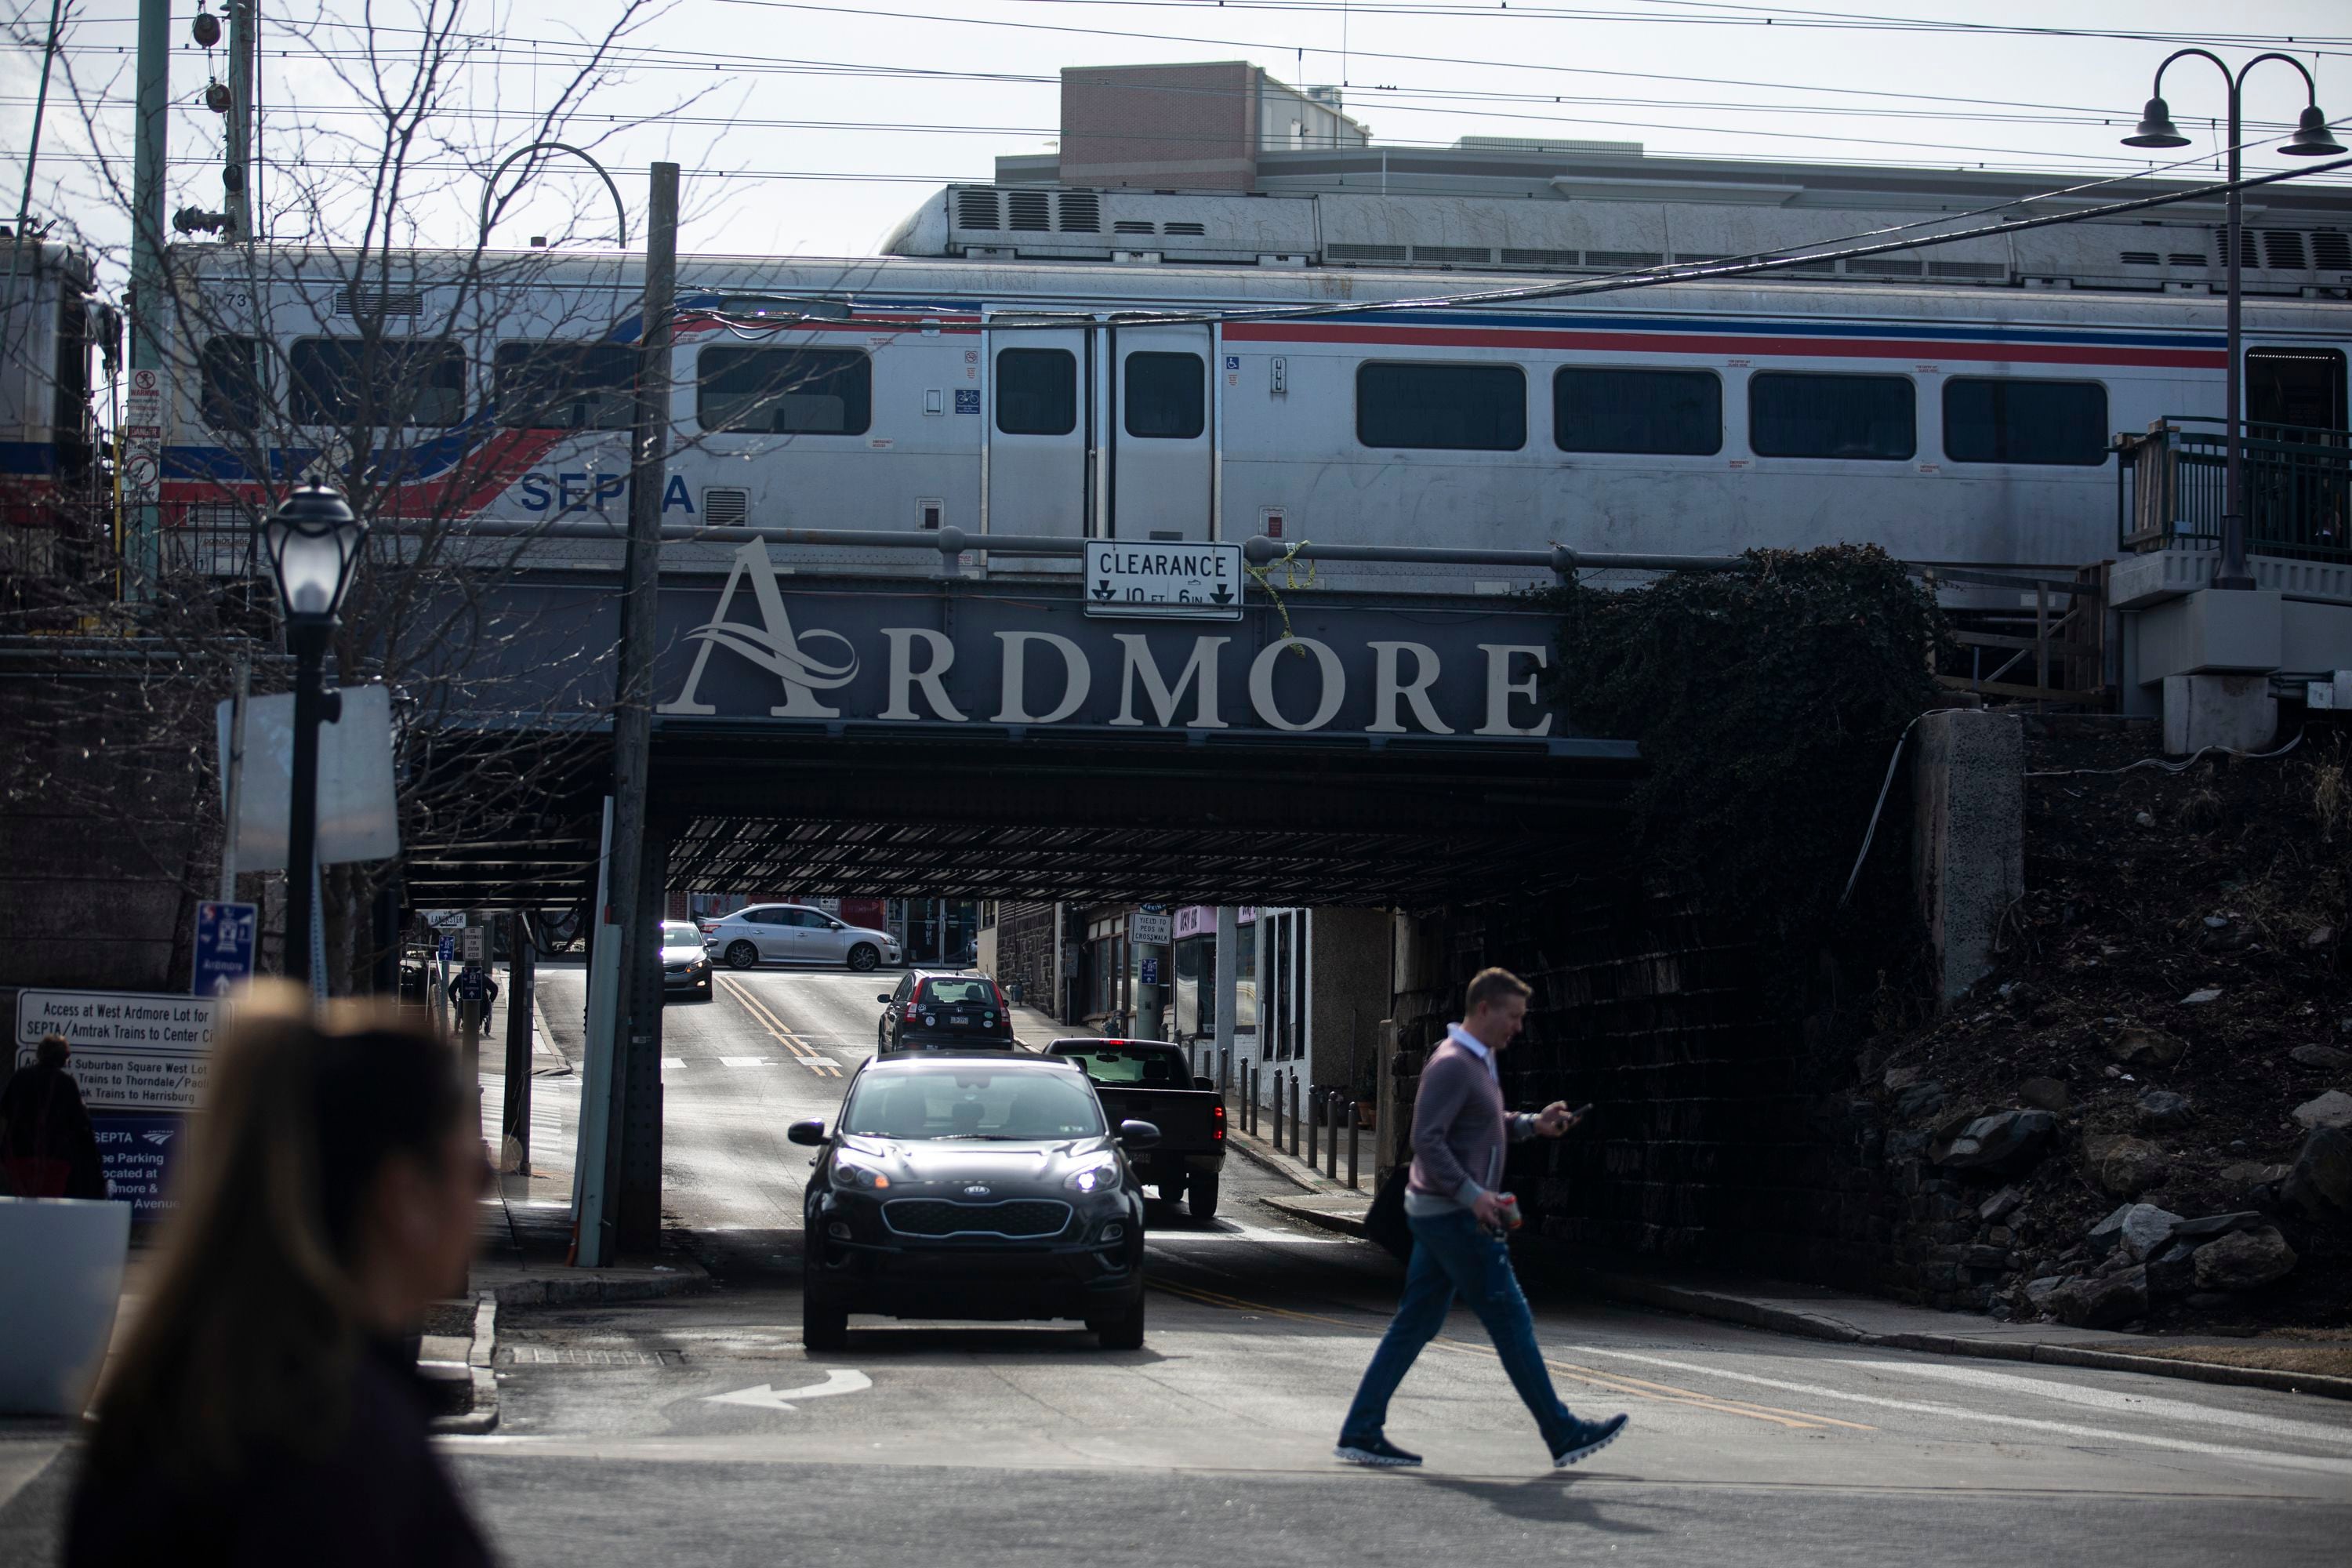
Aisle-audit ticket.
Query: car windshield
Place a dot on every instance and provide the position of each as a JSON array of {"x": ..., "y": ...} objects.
[
  {"x": 681, "y": 933},
  {"x": 973, "y": 1103},
  {"x": 1153, "y": 1066},
  {"x": 959, "y": 994}
]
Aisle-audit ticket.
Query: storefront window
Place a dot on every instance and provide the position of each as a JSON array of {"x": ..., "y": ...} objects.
[{"x": 1196, "y": 988}]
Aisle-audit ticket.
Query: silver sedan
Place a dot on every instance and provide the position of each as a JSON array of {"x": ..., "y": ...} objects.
[{"x": 794, "y": 933}]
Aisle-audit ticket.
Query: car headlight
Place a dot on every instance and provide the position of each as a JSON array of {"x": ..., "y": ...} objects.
[
  {"x": 865, "y": 1178},
  {"x": 1092, "y": 1178}
]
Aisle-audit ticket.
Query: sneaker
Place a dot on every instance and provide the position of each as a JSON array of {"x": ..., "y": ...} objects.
[
  {"x": 1375, "y": 1451},
  {"x": 1586, "y": 1438}
]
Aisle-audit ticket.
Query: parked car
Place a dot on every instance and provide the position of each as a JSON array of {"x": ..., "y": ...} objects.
[
  {"x": 972, "y": 1185},
  {"x": 794, "y": 933},
  {"x": 685, "y": 966},
  {"x": 931, "y": 1009},
  {"x": 1149, "y": 1081}
]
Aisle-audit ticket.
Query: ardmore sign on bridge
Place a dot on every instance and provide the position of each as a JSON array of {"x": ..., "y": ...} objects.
[{"x": 777, "y": 646}]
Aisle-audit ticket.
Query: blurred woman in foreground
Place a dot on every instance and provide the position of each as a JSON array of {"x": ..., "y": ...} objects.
[{"x": 267, "y": 1409}]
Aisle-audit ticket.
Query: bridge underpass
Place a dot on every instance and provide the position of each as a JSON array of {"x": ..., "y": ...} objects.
[{"x": 990, "y": 738}]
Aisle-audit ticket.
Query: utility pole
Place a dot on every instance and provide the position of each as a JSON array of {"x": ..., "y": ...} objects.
[
  {"x": 638, "y": 1028},
  {"x": 236, "y": 172},
  {"x": 151, "y": 110}
]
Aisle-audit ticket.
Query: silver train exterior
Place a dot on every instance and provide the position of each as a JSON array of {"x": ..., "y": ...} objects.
[
  {"x": 1044, "y": 398},
  {"x": 52, "y": 326}
]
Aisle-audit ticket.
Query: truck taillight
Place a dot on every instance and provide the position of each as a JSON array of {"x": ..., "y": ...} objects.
[
  {"x": 1217, "y": 1123},
  {"x": 910, "y": 1014}
]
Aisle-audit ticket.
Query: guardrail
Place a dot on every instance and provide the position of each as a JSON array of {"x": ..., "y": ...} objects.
[{"x": 2170, "y": 484}]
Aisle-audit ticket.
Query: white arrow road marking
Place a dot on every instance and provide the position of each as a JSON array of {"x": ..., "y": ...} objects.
[{"x": 841, "y": 1380}]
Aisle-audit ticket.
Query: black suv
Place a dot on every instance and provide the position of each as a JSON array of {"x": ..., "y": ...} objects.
[
  {"x": 972, "y": 1185},
  {"x": 931, "y": 1009}
]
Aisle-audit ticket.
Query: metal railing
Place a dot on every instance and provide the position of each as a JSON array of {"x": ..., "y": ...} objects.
[{"x": 2169, "y": 489}]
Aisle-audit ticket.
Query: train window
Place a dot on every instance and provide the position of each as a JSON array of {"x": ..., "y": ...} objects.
[
  {"x": 1036, "y": 392},
  {"x": 377, "y": 381},
  {"x": 1792, "y": 413},
  {"x": 1447, "y": 407},
  {"x": 1989, "y": 419},
  {"x": 565, "y": 386},
  {"x": 1166, "y": 395},
  {"x": 229, "y": 376},
  {"x": 1670, "y": 412},
  {"x": 785, "y": 392}
]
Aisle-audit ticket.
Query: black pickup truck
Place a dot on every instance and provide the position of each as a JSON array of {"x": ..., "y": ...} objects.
[{"x": 1149, "y": 1081}]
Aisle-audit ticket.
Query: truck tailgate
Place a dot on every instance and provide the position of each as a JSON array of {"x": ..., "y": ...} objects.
[{"x": 1186, "y": 1117}]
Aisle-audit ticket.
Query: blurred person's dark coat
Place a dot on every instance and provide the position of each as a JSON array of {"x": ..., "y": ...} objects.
[
  {"x": 47, "y": 1147},
  {"x": 266, "y": 1407}
]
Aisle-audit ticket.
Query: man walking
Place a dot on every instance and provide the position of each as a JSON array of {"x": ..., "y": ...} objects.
[
  {"x": 47, "y": 1147},
  {"x": 1459, "y": 1127}
]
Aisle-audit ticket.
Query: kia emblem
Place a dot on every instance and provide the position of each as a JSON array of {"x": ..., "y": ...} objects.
[{"x": 975, "y": 1192}]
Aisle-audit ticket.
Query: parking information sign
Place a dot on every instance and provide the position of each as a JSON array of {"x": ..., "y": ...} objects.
[
  {"x": 1165, "y": 579},
  {"x": 1150, "y": 972},
  {"x": 132, "y": 1050},
  {"x": 224, "y": 935}
]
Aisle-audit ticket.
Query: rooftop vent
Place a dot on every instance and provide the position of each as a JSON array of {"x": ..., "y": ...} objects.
[
  {"x": 2187, "y": 257},
  {"x": 1134, "y": 226},
  {"x": 1080, "y": 212},
  {"x": 1453, "y": 254},
  {"x": 1526, "y": 257},
  {"x": 1344, "y": 252},
  {"x": 2142, "y": 259},
  {"x": 976, "y": 209},
  {"x": 2331, "y": 251},
  {"x": 1993, "y": 269},
  {"x": 725, "y": 506},
  {"x": 2283, "y": 248},
  {"x": 374, "y": 299},
  {"x": 1180, "y": 227},
  {"x": 1623, "y": 258},
  {"x": 1886, "y": 266},
  {"x": 1032, "y": 210}
]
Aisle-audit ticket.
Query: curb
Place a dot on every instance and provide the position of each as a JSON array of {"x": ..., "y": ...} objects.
[
  {"x": 1345, "y": 1223},
  {"x": 1820, "y": 1326},
  {"x": 482, "y": 1414},
  {"x": 573, "y": 1286},
  {"x": 1750, "y": 1314},
  {"x": 1279, "y": 1163}
]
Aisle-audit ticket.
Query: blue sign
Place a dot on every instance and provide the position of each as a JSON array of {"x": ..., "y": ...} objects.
[
  {"x": 137, "y": 1150},
  {"x": 469, "y": 984},
  {"x": 224, "y": 939},
  {"x": 448, "y": 947},
  {"x": 1150, "y": 971}
]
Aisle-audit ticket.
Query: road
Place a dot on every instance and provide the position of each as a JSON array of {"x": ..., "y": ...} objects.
[{"x": 698, "y": 1430}]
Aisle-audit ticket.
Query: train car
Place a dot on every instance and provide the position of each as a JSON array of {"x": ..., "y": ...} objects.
[
  {"x": 52, "y": 327},
  {"x": 1946, "y": 422}
]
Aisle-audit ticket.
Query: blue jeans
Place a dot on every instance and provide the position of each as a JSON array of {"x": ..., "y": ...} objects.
[{"x": 1454, "y": 1254}]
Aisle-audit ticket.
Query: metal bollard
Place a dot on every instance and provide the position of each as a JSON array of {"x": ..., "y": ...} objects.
[
  {"x": 1352, "y": 1151},
  {"x": 1277, "y": 1111},
  {"x": 1293, "y": 1115},
  {"x": 1317, "y": 1114},
  {"x": 1331, "y": 1163}
]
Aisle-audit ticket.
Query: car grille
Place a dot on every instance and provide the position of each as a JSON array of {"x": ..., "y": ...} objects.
[{"x": 1021, "y": 1217}]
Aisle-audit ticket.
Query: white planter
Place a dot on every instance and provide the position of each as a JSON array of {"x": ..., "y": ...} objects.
[{"x": 58, "y": 1293}]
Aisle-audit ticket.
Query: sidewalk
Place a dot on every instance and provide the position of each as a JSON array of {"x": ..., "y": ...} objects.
[{"x": 1813, "y": 1311}]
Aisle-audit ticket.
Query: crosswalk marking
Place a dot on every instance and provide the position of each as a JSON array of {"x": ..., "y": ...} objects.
[{"x": 744, "y": 1061}]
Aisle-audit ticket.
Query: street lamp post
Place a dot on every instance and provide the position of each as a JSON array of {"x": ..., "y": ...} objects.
[
  {"x": 2311, "y": 139},
  {"x": 313, "y": 540}
]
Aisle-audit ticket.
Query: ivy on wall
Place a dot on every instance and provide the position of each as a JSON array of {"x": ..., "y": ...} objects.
[{"x": 1767, "y": 703}]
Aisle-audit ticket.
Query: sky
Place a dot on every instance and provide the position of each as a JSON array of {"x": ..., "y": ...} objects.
[{"x": 812, "y": 128}]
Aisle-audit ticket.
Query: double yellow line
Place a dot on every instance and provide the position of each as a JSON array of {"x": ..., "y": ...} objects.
[
  {"x": 1614, "y": 1383},
  {"x": 808, "y": 1056}
]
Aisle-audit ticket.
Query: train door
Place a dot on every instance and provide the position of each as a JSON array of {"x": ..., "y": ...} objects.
[
  {"x": 2296, "y": 491},
  {"x": 1039, "y": 432},
  {"x": 1159, "y": 438},
  {"x": 2300, "y": 389}
]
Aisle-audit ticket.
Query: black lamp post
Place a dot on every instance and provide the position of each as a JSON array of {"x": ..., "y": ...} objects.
[
  {"x": 2311, "y": 139},
  {"x": 313, "y": 539}
]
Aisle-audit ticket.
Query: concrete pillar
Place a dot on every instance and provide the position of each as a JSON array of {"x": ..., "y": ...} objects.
[
  {"x": 2206, "y": 709},
  {"x": 1967, "y": 861}
]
